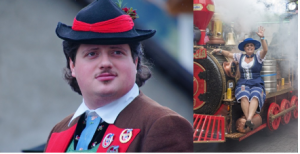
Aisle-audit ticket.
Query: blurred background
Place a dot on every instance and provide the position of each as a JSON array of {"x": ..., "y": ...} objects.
[{"x": 33, "y": 94}]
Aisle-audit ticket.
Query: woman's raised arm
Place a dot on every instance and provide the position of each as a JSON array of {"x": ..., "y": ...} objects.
[{"x": 260, "y": 33}]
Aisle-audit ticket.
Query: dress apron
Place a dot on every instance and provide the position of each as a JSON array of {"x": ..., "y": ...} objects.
[{"x": 250, "y": 83}]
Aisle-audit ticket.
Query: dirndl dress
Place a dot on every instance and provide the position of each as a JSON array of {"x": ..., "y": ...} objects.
[{"x": 250, "y": 84}]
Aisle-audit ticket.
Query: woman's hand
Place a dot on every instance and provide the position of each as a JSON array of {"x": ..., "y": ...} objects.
[
  {"x": 261, "y": 31},
  {"x": 223, "y": 52},
  {"x": 216, "y": 51}
]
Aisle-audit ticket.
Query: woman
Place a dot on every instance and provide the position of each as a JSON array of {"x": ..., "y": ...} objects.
[{"x": 249, "y": 91}]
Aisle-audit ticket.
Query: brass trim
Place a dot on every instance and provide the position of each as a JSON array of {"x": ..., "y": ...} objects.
[
  {"x": 210, "y": 7},
  {"x": 198, "y": 7},
  {"x": 279, "y": 92},
  {"x": 198, "y": 106},
  {"x": 200, "y": 53},
  {"x": 226, "y": 59},
  {"x": 198, "y": 46},
  {"x": 234, "y": 135},
  {"x": 209, "y": 141},
  {"x": 229, "y": 100},
  {"x": 194, "y": 79}
]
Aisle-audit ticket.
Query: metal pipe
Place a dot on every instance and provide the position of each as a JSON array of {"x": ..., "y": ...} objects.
[{"x": 283, "y": 112}]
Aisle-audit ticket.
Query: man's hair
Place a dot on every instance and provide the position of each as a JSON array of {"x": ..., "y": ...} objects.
[{"x": 143, "y": 71}]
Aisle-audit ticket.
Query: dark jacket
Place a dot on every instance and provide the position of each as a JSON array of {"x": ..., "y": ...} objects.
[{"x": 159, "y": 129}]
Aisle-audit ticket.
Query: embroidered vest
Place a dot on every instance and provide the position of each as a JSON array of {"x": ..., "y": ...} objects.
[
  {"x": 251, "y": 76},
  {"x": 250, "y": 73}
]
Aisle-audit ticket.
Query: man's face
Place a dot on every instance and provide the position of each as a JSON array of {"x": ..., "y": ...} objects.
[{"x": 104, "y": 71}]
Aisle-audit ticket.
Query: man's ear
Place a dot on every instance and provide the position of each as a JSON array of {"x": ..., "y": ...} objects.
[
  {"x": 72, "y": 66},
  {"x": 136, "y": 62}
]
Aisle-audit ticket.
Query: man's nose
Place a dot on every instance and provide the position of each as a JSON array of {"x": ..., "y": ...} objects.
[{"x": 105, "y": 61}]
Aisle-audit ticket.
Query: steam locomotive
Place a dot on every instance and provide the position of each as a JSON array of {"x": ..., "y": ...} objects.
[{"x": 217, "y": 115}]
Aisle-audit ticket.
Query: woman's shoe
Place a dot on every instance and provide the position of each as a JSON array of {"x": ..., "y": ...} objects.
[{"x": 249, "y": 124}]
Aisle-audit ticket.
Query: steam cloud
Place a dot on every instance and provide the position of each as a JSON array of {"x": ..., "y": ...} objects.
[{"x": 248, "y": 15}]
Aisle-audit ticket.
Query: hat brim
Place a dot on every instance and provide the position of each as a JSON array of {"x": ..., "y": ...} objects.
[
  {"x": 242, "y": 44},
  {"x": 86, "y": 37}
]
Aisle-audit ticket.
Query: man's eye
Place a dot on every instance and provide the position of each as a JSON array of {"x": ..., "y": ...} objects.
[
  {"x": 118, "y": 52},
  {"x": 91, "y": 54}
]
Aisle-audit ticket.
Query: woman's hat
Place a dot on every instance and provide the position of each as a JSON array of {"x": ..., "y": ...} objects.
[
  {"x": 102, "y": 22},
  {"x": 249, "y": 40}
]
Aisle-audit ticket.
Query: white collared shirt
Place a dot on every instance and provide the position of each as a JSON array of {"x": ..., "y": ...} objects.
[{"x": 109, "y": 112}]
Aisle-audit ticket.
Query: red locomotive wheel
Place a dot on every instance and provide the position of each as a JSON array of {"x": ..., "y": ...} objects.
[
  {"x": 294, "y": 100},
  {"x": 273, "y": 110},
  {"x": 199, "y": 86},
  {"x": 285, "y": 104}
]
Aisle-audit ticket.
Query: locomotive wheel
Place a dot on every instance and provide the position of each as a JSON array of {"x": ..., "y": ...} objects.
[
  {"x": 294, "y": 100},
  {"x": 273, "y": 110},
  {"x": 285, "y": 104},
  {"x": 199, "y": 86},
  {"x": 209, "y": 85}
]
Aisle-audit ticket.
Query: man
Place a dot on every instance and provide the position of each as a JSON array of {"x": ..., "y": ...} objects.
[{"x": 104, "y": 65}]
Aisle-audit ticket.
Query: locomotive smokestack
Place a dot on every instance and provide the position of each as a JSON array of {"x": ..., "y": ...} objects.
[{"x": 203, "y": 11}]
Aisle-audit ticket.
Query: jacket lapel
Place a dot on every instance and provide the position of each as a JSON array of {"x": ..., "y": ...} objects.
[
  {"x": 117, "y": 139},
  {"x": 59, "y": 142}
]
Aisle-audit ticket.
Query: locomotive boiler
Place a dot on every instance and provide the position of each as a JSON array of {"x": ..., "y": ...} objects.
[{"x": 216, "y": 111}]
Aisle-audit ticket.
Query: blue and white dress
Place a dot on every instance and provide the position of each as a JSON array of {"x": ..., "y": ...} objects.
[{"x": 250, "y": 84}]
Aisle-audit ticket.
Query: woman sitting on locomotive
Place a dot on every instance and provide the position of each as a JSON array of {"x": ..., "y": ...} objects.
[{"x": 250, "y": 86}]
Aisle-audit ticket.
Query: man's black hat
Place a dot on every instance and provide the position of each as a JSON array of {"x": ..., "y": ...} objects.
[{"x": 102, "y": 22}]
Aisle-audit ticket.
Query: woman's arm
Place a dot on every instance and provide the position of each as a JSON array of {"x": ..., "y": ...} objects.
[
  {"x": 264, "y": 51},
  {"x": 223, "y": 52}
]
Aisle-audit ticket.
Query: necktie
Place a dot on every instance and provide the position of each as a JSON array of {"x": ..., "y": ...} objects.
[{"x": 92, "y": 122}]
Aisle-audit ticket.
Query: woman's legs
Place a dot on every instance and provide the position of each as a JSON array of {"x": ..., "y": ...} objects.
[
  {"x": 252, "y": 108},
  {"x": 246, "y": 109},
  {"x": 249, "y": 109},
  {"x": 245, "y": 106}
]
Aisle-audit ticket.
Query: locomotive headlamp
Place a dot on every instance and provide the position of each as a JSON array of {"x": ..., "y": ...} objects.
[{"x": 291, "y": 6}]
